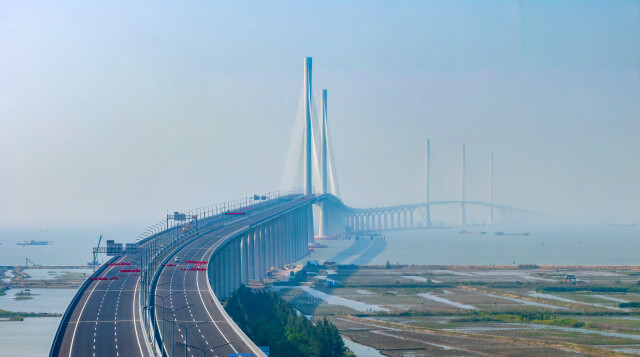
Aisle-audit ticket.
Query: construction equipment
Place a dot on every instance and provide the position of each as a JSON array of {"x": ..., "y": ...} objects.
[{"x": 95, "y": 255}]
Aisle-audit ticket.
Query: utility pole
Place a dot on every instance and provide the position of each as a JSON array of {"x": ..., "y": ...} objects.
[
  {"x": 463, "y": 209},
  {"x": 492, "y": 218},
  {"x": 428, "y": 223}
]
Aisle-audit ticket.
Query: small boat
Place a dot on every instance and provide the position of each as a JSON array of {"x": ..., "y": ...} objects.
[
  {"x": 467, "y": 232},
  {"x": 511, "y": 234},
  {"x": 34, "y": 242}
]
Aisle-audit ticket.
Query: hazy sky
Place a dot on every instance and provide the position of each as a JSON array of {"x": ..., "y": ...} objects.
[{"x": 113, "y": 112}]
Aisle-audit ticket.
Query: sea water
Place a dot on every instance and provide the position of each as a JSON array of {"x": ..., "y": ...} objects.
[
  {"x": 546, "y": 244},
  {"x": 595, "y": 244}
]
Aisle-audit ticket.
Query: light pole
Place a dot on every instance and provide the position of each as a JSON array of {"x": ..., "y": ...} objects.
[
  {"x": 163, "y": 306},
  {"x": 204, "y": 350},
  {"x": 173, "y": 323},
  {"x": 186, "y": 334}
]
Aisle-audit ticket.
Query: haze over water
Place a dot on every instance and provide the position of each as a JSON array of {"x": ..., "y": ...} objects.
[
  {"x": 595, "y": 244},
  {"x": 546, "y": 244}
]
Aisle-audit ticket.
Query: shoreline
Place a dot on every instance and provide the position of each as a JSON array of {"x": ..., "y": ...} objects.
[{"x": 531, "y": 266}]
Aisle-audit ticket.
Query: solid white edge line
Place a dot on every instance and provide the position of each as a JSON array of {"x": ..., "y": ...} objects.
[
  {"x": 73, "y": 337},
  {"x": 257, "y": 351},
  {"x": 135, "y": 323}
]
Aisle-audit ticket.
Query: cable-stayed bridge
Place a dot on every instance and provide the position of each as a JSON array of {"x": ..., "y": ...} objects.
[{"x": 161, "y": 296}]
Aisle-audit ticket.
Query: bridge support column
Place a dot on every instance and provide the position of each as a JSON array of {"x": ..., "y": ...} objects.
[
  {"x": 310, "y": 233},
  {"x": 268, "y": 246},
  {"x": 258, "y": 252},
  {"x": 220, "y": 256},
  {"x": 239, "y": 268},
  {"x": 323, "y": 228},
  {"x": 295, "y": 234},
  {"x": 237, "y": 263},
  {"x": 250, "y": 256},
  {"x": 305, "y": 233},
  {"x": 289, "y": 234},
  {"x": 274, "y": 243},
  {"x": 283, "y": 240},
  {"x": 220, "y": 274},
  {"x": 229, "y": 268},
  {"x": 263, "y": 251},
  {"x": 223, "y": 272},
  {"x": 279, "y": 245}
]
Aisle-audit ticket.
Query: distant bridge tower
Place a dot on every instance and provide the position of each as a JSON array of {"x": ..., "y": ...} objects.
[
  {"x": 323, "y": 229},
  {"x": 463, "y": 208},
  {"x": 491, "y": 220},
  {"x": 428, "y": 207},
  {"x": 308, "y": 188},
  {"x": 324, "y": 142}
]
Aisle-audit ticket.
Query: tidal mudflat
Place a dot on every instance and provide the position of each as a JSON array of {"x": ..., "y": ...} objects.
[{"x": 477, "y": 310}]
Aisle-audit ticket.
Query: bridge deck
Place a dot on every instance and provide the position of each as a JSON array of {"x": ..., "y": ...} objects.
[
  {"x": 179, "y": 288},
  {"x": 106, "y": 320}
]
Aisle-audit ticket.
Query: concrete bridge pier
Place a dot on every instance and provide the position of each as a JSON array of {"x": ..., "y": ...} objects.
[
  {"x": 244, "y": 259},
  {"x": 252, "y": 253}
]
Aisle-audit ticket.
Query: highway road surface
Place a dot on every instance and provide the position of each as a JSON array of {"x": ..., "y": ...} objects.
[
  {"x": 199, "y": 324},
  {"x": 106, "y": 321}
]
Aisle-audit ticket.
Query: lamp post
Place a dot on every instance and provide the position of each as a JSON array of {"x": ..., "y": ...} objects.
[
  {"x": 173, "y": 323},
  {"x": 163, "y": 306},
  {"x": 204, "y": 350},
  {"x": 186, "y": 335}
]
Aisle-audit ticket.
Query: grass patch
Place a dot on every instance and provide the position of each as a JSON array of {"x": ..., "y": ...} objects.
[
  {"x": 630, "y": 304},
  {"x": 22, "y": 297},
  {"x": 11, "y": 315},
  {"x": 594, "y": 288},
  {"x": 533, "y": 317}
]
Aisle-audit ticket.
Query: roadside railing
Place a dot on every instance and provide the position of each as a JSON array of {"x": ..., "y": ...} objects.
[
  {"x": 57, "y": 340},
  {"x": 160, "y": 240}
]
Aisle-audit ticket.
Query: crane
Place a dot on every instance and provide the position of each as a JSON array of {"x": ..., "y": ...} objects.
[{"x": 95, "y": 255}]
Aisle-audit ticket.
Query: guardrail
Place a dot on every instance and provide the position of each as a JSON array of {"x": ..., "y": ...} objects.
[
  {"x": 57, "y": 340},
  {"x": 152, "y": 253},
  {"x": 255, "y": 349}
]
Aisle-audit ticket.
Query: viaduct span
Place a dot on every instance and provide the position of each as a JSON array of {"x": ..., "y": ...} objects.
[{"x": 162, "y": 295}]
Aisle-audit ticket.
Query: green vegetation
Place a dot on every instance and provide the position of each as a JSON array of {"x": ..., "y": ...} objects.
[
  {"x": 630, "y": 304},
  {"x": 595, "y": 289},
  {"x": 18, "y": 316},
  {"x": 22, "y": 297},
  {"x": 525, "y": 317},
  {"x": 527, "y": 266},
  {"x": 270, "y": 321}
]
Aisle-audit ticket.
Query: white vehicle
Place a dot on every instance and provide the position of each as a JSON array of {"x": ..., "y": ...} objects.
[{"x": 177, "y": 259}]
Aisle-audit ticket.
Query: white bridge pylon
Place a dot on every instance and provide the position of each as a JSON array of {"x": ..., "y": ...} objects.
[{"x": 310, "y": 161}]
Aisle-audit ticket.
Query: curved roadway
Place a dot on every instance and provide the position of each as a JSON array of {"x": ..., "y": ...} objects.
[
  {"x": 188, "y": 301},
  {"x": 106, "y": 321}
]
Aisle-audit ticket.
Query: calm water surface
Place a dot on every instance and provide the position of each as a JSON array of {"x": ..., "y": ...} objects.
[
  {"x": 566, "y": 245},
  {"x": 562, "y": 245}
]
